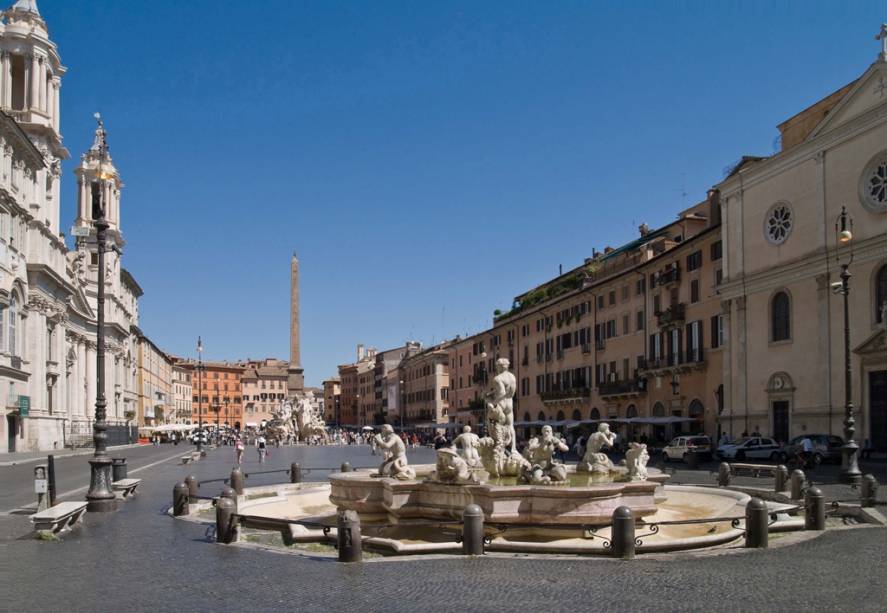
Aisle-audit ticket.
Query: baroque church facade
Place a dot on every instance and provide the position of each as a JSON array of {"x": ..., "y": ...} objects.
[{"x": 47, "y": 290}]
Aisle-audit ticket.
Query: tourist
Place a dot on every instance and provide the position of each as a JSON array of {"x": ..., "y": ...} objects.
[
  {"x": 260, "y": 445},
  {"x": 238, "y": 450},
  {"x": 867, "y": 449}
]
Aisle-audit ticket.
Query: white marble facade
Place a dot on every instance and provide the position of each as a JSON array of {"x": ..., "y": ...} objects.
[{"x": 48, "y": 290}]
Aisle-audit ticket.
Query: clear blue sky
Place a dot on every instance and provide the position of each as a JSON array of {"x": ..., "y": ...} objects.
[{"x": 427, "y": 160}]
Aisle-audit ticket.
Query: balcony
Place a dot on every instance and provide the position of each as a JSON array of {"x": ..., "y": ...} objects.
[
  {"x": 678, "y": 361},
  {"x": 673, "y": 315},
  {"x": 671, "y": 274},
  {"x": 560, "y": 354},
  {"x": 586, "y": 348},
  {"x": 600, "y": 344},
  {"x": 632, "y": 387},
  {"x": 574, "y": 394}
]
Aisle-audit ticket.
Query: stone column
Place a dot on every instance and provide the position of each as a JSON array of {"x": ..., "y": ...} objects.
[
  {"x": 727, "y": 361},
  {"x": 34, "y": 82},
  {"x": 4, "y": 78},
  {"x": 742, "y": 359},
  {"x": 56, "y": 118},
  {"x": 41, "y": 85}
]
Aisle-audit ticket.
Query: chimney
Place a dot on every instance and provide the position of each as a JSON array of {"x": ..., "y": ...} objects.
[
  {"x": 608, "y": 249},
  {"x": 644, "y": 229}
]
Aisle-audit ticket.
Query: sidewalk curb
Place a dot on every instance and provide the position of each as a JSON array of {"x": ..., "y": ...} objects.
[{"x": 72, "y": 454}]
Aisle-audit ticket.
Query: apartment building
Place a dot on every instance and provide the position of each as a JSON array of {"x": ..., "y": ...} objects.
[
  {"x": 426, "y": 386},
  {"x": 182, "y": 392},
  {"x": 332, "y": 397},
  {"x": 356, "y": 385},
  {"x": 264, "y": 388}
]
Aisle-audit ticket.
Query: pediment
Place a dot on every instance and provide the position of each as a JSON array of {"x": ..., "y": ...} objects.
[
  {"x": 870, "y": 91},
  {"x": 875, "y": 344}
]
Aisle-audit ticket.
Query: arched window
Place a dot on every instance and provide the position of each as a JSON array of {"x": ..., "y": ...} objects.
[
  {"x": 526, "y": 417},
  {"x": 13, "y": 324},
  {"x": 595, "y": 414},
  {"x": 696, "y": 409},
  {"x": 577, "y": 415},
  {"x": 631, "y": 411},
  {"x": 658, "y": 410},
  {"x": 780, "y": 317},
  {"x": 881, "y": 294},
  {"x": 560, "y": 416},
  {"x": 541, "y": 416}
]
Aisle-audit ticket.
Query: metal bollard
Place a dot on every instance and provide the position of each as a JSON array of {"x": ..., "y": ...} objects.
[
  {"x": 225, "y": 528},
  {"x": 193, "y": 487},
  {"x": 473, "y": 530},
  {"x": 50, "y": 475},
  {"x": 692, "y": 460},
  {"x": 180, "y": 495},
  {"x": 296, "y": 473},
  {"x": 346, "y": 467},
  {"x": 237, "y": 480},
  {"x": 349, "y": 542},
  {"x": 868, "y": 491},
  {"x": 622, "y": 538},
  {"x": 118, "y": 469},
  {"x": 725, "y": 474},
  {"x": 756, "y": 524},
  {"x": 814, "y": 509},
  {"x": 797, "y": 484},
  {"x": 781, "y": 476}
]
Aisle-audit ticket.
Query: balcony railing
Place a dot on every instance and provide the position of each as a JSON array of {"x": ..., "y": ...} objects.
[
  {"x": 615, "y": 388},
  {"x": 668, "y": 275},
  {"x": 586, "y": 348},
  {"x": 600, "y": 344},
  {"x": 672, "y": 315},
  {"x": 577, "y": 392},
  {"x": 677, "y": 358}
]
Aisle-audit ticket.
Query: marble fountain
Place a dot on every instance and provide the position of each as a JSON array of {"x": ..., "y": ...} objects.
[{"x": 531, "y": 502}]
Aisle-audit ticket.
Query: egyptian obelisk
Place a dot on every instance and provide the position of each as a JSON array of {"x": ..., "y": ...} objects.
[{"x": 295, "y": 381}]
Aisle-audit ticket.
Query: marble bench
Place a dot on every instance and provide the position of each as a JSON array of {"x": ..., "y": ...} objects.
[
  {"x": 125, "y": 487},
  {"x": 61, "y": 517}
]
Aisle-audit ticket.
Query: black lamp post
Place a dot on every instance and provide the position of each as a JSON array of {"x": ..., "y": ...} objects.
[
  {"x": 850, "y": 472},
  {"x": 100, "y": 497},
  {"x": 227, "y": 400},
  {"x": 200, "y": 394}
]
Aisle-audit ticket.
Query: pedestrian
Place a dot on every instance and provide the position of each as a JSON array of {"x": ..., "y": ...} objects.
[
  {"x": 238, "y": 450},
  {"x": 263, "y": 450}
]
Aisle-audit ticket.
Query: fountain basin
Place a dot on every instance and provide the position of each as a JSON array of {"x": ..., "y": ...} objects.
[{"x": 384, "y": 499}]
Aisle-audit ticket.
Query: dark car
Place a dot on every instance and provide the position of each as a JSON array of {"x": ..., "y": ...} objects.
[{"x": 826, "y": 447}]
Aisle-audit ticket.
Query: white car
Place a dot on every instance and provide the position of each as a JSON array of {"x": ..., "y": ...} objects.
[
  {"x": 680, "y": 446},
  {"x": 753, "y": 447}
]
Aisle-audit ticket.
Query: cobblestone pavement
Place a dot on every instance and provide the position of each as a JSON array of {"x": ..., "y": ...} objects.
[{"x": 140, "y": 559}]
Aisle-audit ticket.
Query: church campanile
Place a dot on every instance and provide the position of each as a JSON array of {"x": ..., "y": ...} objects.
[{"x": 295, "y": 377}]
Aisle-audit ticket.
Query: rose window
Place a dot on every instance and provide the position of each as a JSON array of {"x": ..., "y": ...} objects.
[
  {"x": 877, "y": 183},
  {"x": 778, "y": 223}
]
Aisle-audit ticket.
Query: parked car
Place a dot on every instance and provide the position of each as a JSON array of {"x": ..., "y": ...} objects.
[
  {"x": 826, "y": 447},
  {"x": 680, "y": 446},
  {"x": 204, "y": 438},
  {"x": 753, "y": 447}
]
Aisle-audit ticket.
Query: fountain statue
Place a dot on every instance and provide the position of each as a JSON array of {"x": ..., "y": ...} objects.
[
  {"x": 543, "y": 467},
  {"x": 498, "y": 452},
  {"x": 594, "y": 460},
  {"x": 395, "y": 463},
  {"x": 452, "y": 468},
  {"x": 636, "y": 459},
  {"x": 467, "y": 443}
]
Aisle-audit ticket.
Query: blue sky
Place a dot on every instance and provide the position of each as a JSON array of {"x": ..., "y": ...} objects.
[{"x": 427, "y": 160}]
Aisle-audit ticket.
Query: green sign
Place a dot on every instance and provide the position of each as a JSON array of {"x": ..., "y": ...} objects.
[{"x": 24, "y": 405}]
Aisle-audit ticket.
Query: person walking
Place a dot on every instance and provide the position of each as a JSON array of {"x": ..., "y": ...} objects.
[
  {"x": 238, "y": 450},
  {"x": 263, "y": 449}
]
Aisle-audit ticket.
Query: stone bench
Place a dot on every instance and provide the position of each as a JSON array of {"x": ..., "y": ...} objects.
[
  {"x": 61, "y": 517},
  {"x": 125, "y": 487}
]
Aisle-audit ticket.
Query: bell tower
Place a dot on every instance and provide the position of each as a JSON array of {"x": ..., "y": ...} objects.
[
  {"x": 97, "y": 172},
  {"x": 30, "y": 84}
]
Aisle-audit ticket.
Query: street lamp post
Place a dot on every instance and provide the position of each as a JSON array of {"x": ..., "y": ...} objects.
[
  {"x": 100, "y": 497},
  {"x": 200, "y": 395},
  {"x": 403, "y": 403},
  {"x": 850, "y": 472},
  {"x": 227, "y": 423}
]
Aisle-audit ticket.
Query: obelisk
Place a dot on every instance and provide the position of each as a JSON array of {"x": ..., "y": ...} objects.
[{"x": 295, "y": 381}]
